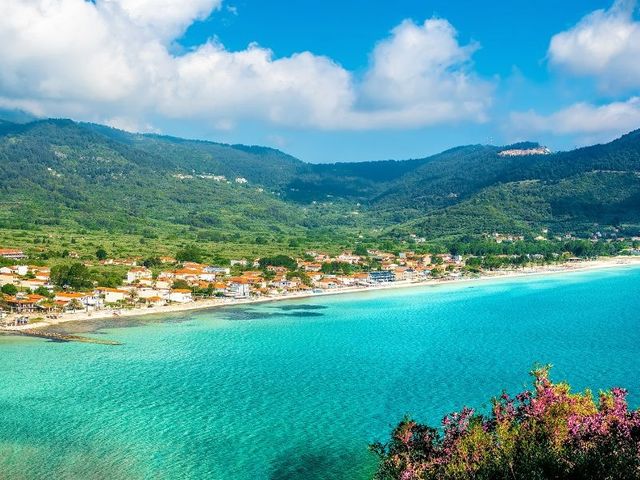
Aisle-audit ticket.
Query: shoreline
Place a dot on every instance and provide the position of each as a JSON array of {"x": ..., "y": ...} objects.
[{"x": 603, "y": 263}]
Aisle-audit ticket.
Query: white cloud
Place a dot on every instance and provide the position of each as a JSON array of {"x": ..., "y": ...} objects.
[
  {"x": 166, "y": 18},
  {"x": 591, "y": 122},
  {"x": 605, "y": 44},
  {"x": 111, "y": 61},
  {"x": 421, "y": 75}
]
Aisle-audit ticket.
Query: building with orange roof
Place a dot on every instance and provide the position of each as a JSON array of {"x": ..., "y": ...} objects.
[
  {"x": 180, "y": 295},
  {"x": 85, "y": 299},
  {"x": 135, "y": 274},
  {"x": 111, "y": 295},
  {"x": 12, "y": 253},
  {"x": 22, "y": 302},
  {"x": 156, "y": 301}
]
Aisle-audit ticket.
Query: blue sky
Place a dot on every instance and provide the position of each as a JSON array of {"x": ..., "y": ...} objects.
[{"x": 330, "y": 81}]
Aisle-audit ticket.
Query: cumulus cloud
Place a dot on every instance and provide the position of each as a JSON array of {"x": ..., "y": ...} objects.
[
  {"x": 112, "y": 60},
  {"x": 420, "y": 73},
  {"x": 591, "y": 122},
  {"x": 605, "y": 45},
  {"x": 165, "y": 18}
]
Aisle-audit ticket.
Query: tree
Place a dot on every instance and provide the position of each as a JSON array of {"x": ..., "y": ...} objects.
[
  {"x": 76, "y": 304},
  {"x": 133, "y": 296},
  {"x": 9, "y": 289},
  {"x": 279, "y": 261},
  {"x": 42, "y": 291},
  {"x": 190, "y": 253},
  {"x": 361, "y": 251},
  {"x": 101, "y": 254},
  {"x": 76, "y": 276},
  {"x": 182, "y": 284},
  {"x": 152, "y": 262}
]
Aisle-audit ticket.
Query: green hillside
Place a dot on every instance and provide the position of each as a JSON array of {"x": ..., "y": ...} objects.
[
  {"x": 63, "y": 176},
  {"x": 477, "y": 191}
]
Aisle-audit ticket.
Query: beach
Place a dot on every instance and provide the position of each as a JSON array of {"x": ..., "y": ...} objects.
[{"x": 601, "y": 263}]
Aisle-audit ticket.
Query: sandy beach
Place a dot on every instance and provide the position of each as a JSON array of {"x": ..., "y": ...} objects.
[{"x": 602, "y": 263}]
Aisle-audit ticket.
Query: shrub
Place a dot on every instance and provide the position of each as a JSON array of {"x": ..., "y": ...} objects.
[
  {"x": 9, "y": 289},
  {"x": 546, "y": 433}
]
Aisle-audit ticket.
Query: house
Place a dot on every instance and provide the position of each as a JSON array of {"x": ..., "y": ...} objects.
[
  {"x": 12, "y": 253},
  {"x": 155, "y": 301},
  {"x": 112, "y": 295},
  {"x": 282, "y": 282},
  {"x": 6, "y": 278},
  {"x": 360, "y": 278},
  {"x": 20, "y": 270},
  {"x": 187, "y": 274},
  {"x": 136, "y": 274},
  {"x": 347, "y": 257},
  {"x": 346, "y": 280},
  {"x": 239, "y": 288},
  {"x": 382, "y": 276},
  {"x": 219, "y": 287},
  {"x": 69, "y": 298},
  {"x": 192, "y": 265},
  {"x": 146, "y": 292},
  {"x": 22, "y": 302},
  {"x": 180, "y": 295},
  {"x": 34, "y": 284},
  {"x": 163, "y": 283},
  {"x": 400, "y": 273},
  {"x": 327, "y": 283},
  {"x": 204, "y": 276},
  {"x": 311, "y": 267},
  {"x": 217, "y": 270},
  {"x": 41, "y": 273}
]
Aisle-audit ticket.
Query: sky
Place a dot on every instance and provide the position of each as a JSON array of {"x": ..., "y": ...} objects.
[{"x": 330, "y": 81}]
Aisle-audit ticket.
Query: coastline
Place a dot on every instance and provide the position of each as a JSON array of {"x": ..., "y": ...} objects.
[{"x": 590, "y": 265}]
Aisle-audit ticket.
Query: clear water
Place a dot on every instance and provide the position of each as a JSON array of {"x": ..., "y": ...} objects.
[{"x": 297, "y": 390}]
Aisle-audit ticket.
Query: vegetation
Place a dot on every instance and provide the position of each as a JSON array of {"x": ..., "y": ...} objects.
[
  {"x": 279, "y": 261},
  {"x": 545, "y": 433},
  {"x": 191, "y": 253},
  {"x": 75, "y": 276},
  {"x": 9, "y": 289},
  {"x": 74, "y": 189}
]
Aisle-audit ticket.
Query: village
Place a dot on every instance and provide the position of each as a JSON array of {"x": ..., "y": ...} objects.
[{"x": 29, "y": 294}]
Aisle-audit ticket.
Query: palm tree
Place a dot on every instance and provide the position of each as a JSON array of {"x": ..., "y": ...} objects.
[{"x": 133, "y": 296}]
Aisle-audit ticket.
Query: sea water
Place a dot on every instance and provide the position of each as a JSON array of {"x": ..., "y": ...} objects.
[{"x": 298, "y": 389}]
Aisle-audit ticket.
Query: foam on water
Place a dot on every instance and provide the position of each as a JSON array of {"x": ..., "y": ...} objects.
[{"x": 298, "y": 389}]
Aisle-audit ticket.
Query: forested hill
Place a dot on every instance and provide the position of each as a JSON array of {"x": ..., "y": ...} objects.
[{"x": 78, "y": 175}]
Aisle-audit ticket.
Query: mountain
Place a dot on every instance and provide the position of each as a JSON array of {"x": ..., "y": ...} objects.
[
  {"x": 476, "y": 190},
  {"x": 62, "y": 173},
  {"x": 80, "y": 176}
]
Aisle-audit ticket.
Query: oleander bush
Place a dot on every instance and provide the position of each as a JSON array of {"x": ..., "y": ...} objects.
[{"x": 545, "y": 433}]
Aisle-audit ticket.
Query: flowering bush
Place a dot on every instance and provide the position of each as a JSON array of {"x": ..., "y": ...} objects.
[{"x": 546, "y": 433}]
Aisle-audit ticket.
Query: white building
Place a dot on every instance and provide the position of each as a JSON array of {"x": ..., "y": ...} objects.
[
  {"x": 180, "y": 295},
  {"x": 112, "y": 295}
]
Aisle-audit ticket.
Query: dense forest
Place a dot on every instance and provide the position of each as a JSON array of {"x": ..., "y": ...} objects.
[{"x": 92, "y": 178}]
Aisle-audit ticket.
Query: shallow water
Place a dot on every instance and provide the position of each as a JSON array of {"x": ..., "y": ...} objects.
[{"x": 297, "y": 389}]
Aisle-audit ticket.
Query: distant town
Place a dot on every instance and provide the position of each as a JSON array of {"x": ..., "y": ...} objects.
[{"x": 33, "y": 293}]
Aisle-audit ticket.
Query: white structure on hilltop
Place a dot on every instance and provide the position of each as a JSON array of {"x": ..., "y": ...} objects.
[{"x": 518, "y": 152}]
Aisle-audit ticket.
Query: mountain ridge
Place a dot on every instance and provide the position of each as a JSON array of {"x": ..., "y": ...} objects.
[{"x": 84, "y": 175}]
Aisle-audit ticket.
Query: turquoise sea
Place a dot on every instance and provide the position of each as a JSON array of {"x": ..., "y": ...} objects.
[{"x": 297, "y": 389}]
